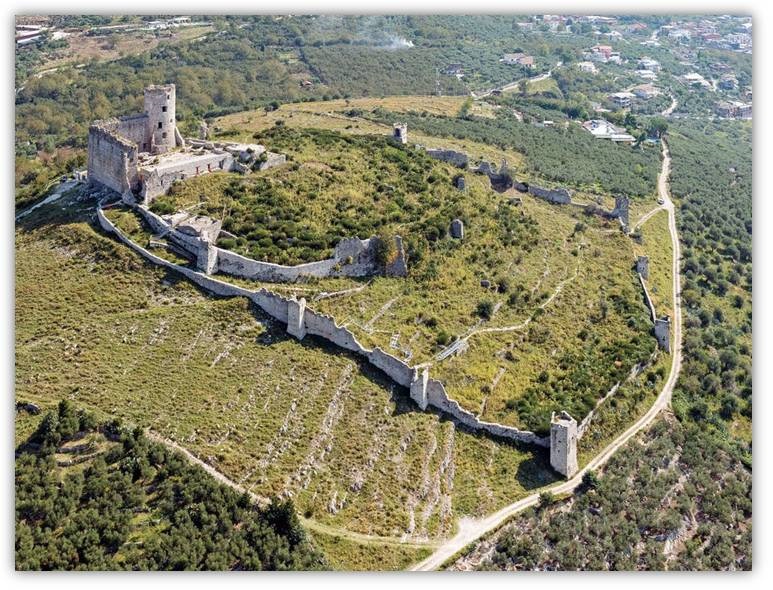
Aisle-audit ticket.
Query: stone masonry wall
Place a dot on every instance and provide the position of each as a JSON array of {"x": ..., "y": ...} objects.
[
  {"x": 112, "y": 160},
  {"x": 157, "y": 182},
  {"x": 458, "y": 159},
  {"x": 560, "y": 196},
  {"x": 361, "y": 253},
  {"x": 135, "y": 128},
  {"x": 306, "y": 321}
]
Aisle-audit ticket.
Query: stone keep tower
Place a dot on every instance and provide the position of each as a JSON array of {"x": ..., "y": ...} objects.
[
  {"x": 563, "y": 444},
  {"x": 160, "y": 109}
]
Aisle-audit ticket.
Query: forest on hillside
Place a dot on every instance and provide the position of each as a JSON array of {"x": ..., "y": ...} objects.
[{"x": 96, "y": 496}]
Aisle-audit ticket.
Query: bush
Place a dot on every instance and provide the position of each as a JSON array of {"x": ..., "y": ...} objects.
[{"x": 484, "y": 309}]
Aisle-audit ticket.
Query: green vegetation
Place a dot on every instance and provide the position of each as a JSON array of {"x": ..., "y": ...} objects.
[
  {"x": 564, "y": 155},
  {"x": 679, "y": 497},
  {"x": 338, "y": 186},
  {"x": 712, "y": 176},
  {"x": 98, "y": 326},
  {"x": 93, "y": 496},
  {"x": 667, "y": 501}
]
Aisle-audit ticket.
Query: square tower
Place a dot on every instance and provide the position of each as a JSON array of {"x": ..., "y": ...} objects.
[
  {"x": 663, "y": 333},
  {"x": 160, "y": 110},
  {"x": 400, "y": 132},
  {"x": 563, "y": 444}
]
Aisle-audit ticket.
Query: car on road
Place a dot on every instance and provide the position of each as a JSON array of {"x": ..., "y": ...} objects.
[{"x": 661, "y": 201}]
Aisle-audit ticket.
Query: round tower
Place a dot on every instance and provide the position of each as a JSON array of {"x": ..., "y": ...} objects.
[{"x": 160, "y": 109}]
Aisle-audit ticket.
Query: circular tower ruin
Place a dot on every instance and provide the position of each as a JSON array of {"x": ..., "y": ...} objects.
[{"x": 160, "y": 109}]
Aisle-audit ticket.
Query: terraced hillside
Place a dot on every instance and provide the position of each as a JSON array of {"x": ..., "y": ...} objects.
[
  {"x": 376, "y": 481},
  {"x": 559, "y": 321},
  {"x": 97, "y": 326}
]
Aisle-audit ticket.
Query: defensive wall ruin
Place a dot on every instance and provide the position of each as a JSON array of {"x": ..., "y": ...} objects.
[
  {"x": 302, "y": 321},
  {"x": 352, "y": 257},
  {"x": 115, "y": 167}
]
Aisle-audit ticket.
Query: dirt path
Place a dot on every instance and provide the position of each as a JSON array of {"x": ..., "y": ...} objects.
[
  {"x": 646, "y": 217},
  {"x": 670, "y": 109},
  {"x": 472, "y": 529},
  {"x": 56, "y": 194},
  {"x": 460, "y": 344}
]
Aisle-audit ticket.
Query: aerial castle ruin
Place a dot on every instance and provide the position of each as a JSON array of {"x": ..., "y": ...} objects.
[{"x": 141, "y": 155}]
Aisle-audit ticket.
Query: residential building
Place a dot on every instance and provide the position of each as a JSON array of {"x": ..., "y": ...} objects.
[
  {"x": 520, "y": 59},
  {"x": 647, "y": 63},
  {"x": 603, "y": 129},
  {"x": 622, "y": 99},
  {"x": 645, "y": 91},
  {"x": 728, "y": 82},
  {"x": 587, "y": 66}
]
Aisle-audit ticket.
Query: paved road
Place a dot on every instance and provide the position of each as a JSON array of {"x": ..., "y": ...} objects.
[{"x": 472, "y": 529}]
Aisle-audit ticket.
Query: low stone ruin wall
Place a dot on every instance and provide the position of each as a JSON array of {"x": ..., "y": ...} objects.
[
  {"x": 559, "y": 196},
  {"x": 458, "y": 159},
  {"x": 353, "y": 257},
  {"x": 647, "y": 298},
  {"x": 307, "y": 321},
  {"x": 438, "y": 398},
  {"x": 157, "y": 181},
  {"x": 272, "y": 159},
  {"x": 240, "y": 266}
]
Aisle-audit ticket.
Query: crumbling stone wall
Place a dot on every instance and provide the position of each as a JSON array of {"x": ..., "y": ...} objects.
[
  {"x": 648, "y": 299},
  {"x": 157, "y": 181},
  {"x": 302, "y": 321},
  {"x": 458, "y": 159},
  {"x": 272, "y": 160},
  {"x": 559, "y": 196}
]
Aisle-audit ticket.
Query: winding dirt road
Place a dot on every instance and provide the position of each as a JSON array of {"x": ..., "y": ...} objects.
[{"x": 472, "y": 529}]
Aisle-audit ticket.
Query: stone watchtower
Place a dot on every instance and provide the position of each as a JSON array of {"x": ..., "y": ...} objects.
[
  {"x": 621, "y": 210},
  {"x": 160, "y": 109},
  {"x": 563, "y": 444},
  {"x": 400, "y": 132},
  {"x": 663, "y": 333}
]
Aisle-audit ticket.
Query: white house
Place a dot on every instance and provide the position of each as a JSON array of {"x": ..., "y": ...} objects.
[
  {"x": 603, "y": 129},
  {"x": 587, "y": 66},
  {"x": 647, "y": 74}
]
